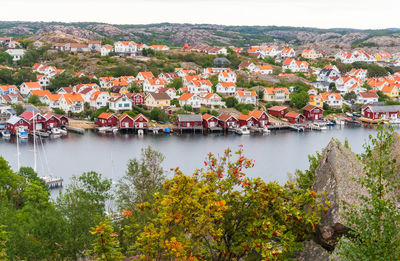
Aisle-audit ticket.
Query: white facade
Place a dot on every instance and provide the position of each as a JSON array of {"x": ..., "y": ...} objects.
[{"x": 16, "y": 54}]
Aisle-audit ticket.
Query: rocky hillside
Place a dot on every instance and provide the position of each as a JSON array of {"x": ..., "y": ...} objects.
[{"x": 178, "y": 34}]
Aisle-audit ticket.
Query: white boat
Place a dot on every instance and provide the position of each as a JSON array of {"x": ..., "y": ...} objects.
[
  {"x": 56, "y": 131},
  {"x": 266, "y": 130},
  {"x": 22, "y": 135},
  {"x": 103, "y": 129},
  {"x": 244, "y": 130},
  {"x": 63, "y": 132},
  {"x": 114, "y": 129},
  {"x": 6, "y": 134}
]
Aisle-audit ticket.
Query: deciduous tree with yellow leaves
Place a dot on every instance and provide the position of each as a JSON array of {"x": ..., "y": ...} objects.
[{"x": 220, "y": 214}]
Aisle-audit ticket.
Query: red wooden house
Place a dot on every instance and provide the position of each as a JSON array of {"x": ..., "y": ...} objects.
[
  {"x": 227, "y": 121},
  {"x": 34, "y": 119},
  {"x": 106, "y": 119},
  {"x": 294, "y": 117},
  {"x": 52, "y": 121},
  {"x": 141, "y": 122},
  {"x": 209, "y": 121},
  {"x": 136, "y": 98},
  {"x": 277, "y": 111},
  {"x": 15, "y": 123},
  {"x": 246, "y": 120},
  {"x": 64, "y": 120},
  {"x": 190, "y": 122},
  {"x": 384, "y": 112},
  {"x": 261, "y": 118},
  {"x": 312, "y": 113},
  {"x": 126, "y": 122}
]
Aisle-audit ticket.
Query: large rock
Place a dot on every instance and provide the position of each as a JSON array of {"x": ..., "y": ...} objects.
[
  {"x": 312, "y": 252},
  {"x": 335, "y": 176}
]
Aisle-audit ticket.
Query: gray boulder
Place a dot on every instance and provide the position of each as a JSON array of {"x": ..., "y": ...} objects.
[
  {"x": 312, "y": 252},
  {"x": 335, "y": 176}
]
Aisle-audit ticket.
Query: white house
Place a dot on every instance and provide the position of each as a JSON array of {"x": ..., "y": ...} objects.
[
  {"x": 125, "y": 48},
  {"x": 16, "y": 54},
  {"x": 295, "y": 66},
  {"x": 211, "y": 100},
  {"x": 153, "y": 84},
  {"x": 26, "y": 87},
  {"x": 226, "y": 88},
  {"x": 189, "y": 99},
  {"x": 106, "y": 50},
  {"x": 72, "y": 103},
  {"x": 120, "y": 103},
  {"x": 43, "y": 80},
  {"x": 198, "y": 86},
  {"x": 334, "y": 100},
  {"x": 358, "y": 73},
  {"x": 367, "y": 97},
  {"x": 287, "y": 52},
  {"x": 144, "y": 75},
  {"x": 99, "y": 99},
  {"x": 246, "y": 97},
  {"x": 264, "y": 69},
  {"x": 227, "y": 77}
]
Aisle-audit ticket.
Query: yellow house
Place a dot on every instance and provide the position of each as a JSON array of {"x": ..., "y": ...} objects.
[
  {"x": 157, "y": 100},
  {"x": 316, "y": 100},
  {"x": 383, "y": 56},
  {"x": 280, "y": 95},
  {"x": 311, "y": 54},
  {"x": 391, "y": 90}
]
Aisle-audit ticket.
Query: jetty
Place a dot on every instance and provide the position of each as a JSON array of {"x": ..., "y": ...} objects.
[{"x": 76, "y": 129}]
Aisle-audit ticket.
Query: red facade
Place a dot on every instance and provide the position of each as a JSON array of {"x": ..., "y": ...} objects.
[
  {"x": 277, "y": 111},
  {"x": 126, "y": 122},
  {"x": 52, "y": 122},
  {"x": 210, "y": 123},
  {"x": 246, "y": 120},
  {"x": 380, "y": 115},
  {"x": 312, "y": 113},
  {"x": 34, "y": 119},
  {"x": 227, "y": 121},
  {"x": 261, "y": 118},
  {"x": 21, "y": 124},
  {"x": 109, "y": 120},
  {"x": 189, "y": 124},
  {"x": 137, "y": 98},
  {"x": 141, "y": 122}
]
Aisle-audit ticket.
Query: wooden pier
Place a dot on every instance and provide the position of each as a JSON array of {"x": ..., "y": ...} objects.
[{"x": 76, "y": 129}]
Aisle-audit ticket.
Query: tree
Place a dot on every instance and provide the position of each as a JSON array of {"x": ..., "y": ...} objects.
[
  {"x": 374, "y": 231},
  {"x": 188, "y": 107},
  {"x": 3, "y": 242},
  {"x": 175, "y": 83},
  {"x": 332, "y": 87},
  {"x": 158, "y": 115},
  {"x": 83, "y": 205},
  {"x": 34, "y": 99},
  {"x": 5, "y": 58},
  {"x": 19, "y": 109},
  {"x": 105, "y": 244},
  {"x": 143, "y": 178},
  {"x": 350, "y": 96},
  {"x": 231, "y": 102},
  {"x": 299, "y": 99},
  {"x": 135, "y": 88},
  {"x": 219, "y": 214}
]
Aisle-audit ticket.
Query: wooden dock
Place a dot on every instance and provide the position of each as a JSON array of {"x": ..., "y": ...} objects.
[{"x": 76, "y": 129}]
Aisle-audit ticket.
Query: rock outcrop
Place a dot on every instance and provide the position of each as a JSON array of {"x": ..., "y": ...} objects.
[
  {"x": 335, "y": 176},
  {"x": 312, "y": 252}
]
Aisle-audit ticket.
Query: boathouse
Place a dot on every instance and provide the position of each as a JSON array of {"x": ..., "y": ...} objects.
[
  {"x": 52, "y": 121},
  {"x": 209, "y": 121},
  {"x": 15, "y": 123},
  {"x": 106, "y": 119},
  {"x": 141, "y": 122},
  {"x": 126, "y": 122},
  {"x": 190, "y": 122},
  {"x": 228, "y": 122},
  {"x": 261, "y": 118},
  {"x": 34, "y": 119},
  {"x": 246, "y": 120},
  {"x": 294, "y": 117},
  {"x": 312, "y": 113},
  {"x": 376, "y": 112},
  {"x": 277, "y": 111}
]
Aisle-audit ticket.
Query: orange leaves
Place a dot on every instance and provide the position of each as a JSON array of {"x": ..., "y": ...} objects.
[
  {"x": 220, "y": 203},
  {"x": 126, "y": 213},
  {"x": 99, "y": 229}
]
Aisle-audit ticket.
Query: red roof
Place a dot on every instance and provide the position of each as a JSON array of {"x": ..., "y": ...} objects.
[
  {"x": 277, "y": 108},
  {"x": 105, "y": 115}
]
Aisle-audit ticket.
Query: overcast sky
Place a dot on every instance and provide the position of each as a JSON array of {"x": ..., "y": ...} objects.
[{"x": 362, "y": 14}]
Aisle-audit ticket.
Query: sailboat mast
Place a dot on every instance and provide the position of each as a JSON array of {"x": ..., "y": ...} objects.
[
  {"x": 18, "y": 163},
  {"x": 34, "y": 143}
]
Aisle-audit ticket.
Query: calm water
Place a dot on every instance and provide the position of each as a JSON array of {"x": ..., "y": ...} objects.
[{"x": 276, "y": 154}]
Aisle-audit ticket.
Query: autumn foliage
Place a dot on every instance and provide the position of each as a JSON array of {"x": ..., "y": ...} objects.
[{"x": 220, "y": 214}]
